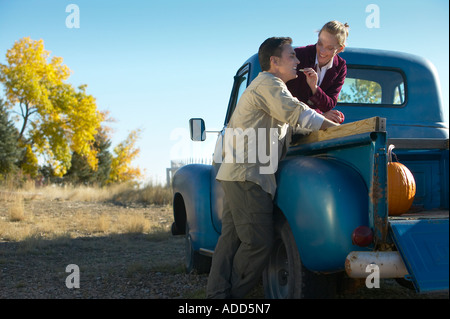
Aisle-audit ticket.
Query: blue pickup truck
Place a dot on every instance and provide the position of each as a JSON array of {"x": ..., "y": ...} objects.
[{"x": 333, "y": 186}]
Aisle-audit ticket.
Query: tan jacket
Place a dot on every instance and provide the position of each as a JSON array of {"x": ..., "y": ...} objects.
[{"x": 255, "y": 138}]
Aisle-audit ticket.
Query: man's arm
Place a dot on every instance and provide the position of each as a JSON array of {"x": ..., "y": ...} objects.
[
  {"x": 327, "y": 123},
  {"x": 275, "y": 99},
  {"x": 310, "y": 119}
]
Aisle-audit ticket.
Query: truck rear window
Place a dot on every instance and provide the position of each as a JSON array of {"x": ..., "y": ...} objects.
[{"x": 370, "y": 87}]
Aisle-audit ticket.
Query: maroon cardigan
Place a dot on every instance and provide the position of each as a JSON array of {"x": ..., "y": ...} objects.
[{"x": 327, "y": 93}]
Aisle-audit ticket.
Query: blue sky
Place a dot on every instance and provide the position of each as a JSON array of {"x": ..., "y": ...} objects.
[{"x": 155, "y": 64}]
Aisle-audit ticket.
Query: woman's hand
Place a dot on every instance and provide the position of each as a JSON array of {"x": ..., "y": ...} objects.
[{"x": 311, "y": 78}]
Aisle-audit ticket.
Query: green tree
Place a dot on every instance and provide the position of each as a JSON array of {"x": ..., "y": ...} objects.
[
  {"x": 81, "y": 173},
  {"x": 9, "y": 148},
  {"x": 103, "y": 143}
]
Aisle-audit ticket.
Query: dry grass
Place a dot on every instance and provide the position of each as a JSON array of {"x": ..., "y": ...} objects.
[
  {"x": 57, "y": 212},
  {"x": 149, "y": 194},
  {"x": 16, "y": 209},
  {"x": 35, "y": 221},
  {"x": 125, "y": 193},
  {"x": 121, "y": 194}
]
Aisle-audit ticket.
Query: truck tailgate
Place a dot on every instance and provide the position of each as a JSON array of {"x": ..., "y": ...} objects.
[{"x": 424, "y": 246}]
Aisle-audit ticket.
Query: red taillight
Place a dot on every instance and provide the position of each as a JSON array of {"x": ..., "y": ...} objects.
[{"x": 362, "y": 236}]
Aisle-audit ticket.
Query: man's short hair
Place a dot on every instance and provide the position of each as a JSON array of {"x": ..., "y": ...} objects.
[{"x": 271, "y": 47}]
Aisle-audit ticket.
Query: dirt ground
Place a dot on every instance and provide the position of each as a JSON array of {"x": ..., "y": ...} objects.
[{"x": 136, "y": 262}]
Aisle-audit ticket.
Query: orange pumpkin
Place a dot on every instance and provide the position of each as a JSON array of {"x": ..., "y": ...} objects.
[{"x": 401, "y": 187}]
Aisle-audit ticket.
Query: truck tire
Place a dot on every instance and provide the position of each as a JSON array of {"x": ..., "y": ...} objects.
[
  {"x": 285, "y": 277},
  {"x": 194, "y": 261}
]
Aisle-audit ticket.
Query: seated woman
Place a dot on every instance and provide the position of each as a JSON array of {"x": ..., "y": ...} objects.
[{"x": 321, "y": 72}]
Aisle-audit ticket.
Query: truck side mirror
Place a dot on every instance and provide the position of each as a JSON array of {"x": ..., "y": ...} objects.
[{"x": 197, "y": 129}]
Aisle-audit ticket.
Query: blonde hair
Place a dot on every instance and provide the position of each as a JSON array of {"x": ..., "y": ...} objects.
[{"x": 338, "y": 29}]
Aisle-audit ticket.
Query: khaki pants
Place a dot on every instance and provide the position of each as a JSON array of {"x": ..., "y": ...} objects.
[{"x": 246, "y": 241}]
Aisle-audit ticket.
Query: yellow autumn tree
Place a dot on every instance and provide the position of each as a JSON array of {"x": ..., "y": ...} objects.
[
  {"x": 57, "y": 119},
  {"x": 125, "y": 153}
]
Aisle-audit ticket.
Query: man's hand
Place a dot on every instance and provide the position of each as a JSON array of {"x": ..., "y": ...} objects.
[{"x": 335, "y": 116}]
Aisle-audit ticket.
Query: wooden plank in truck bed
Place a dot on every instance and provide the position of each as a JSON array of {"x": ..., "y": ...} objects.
[{"x": 373, "y": 124}]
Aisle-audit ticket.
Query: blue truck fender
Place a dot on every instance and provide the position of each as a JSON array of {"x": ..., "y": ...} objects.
[
  {"x": 323, "y": 200},
  {"x": 192, "y": 205}
]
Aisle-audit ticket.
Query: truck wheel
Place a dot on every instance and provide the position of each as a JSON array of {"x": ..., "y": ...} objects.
[
  {"x": 285, "y": 277},
  {"x": 194, "y": 261}
]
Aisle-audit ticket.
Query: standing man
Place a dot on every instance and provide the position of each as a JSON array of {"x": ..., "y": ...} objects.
[{"x": 262, "y": 116}]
